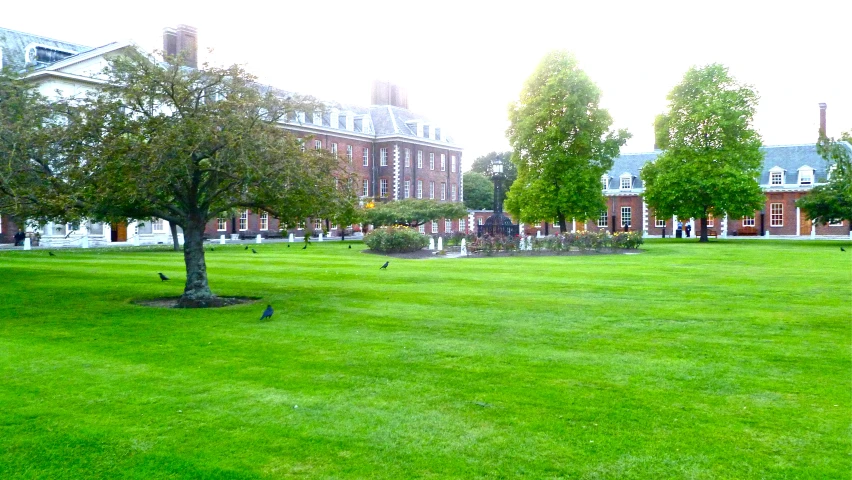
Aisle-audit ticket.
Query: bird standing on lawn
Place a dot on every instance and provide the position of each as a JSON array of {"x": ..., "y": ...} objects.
[
  {"x": 246, "y": 248},
  {"x": 253, "y": 251},
  {"x": 842, "y": 249},
  {"x": 305, "y": 247},
  {"x": 350, "y": 247},
  {"x": 52, "y": 255},
  {"x": 267, "y": 313},
  {"x": 385, "y": 266},
  {"x": 163, "y": 277}
]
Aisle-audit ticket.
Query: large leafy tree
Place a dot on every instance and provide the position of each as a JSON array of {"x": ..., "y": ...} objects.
[
  {"x": 185, "y": 145},
  {"x": 413, "y": 212},
  {"x": 483, "y": 165},
  {"x": 832, "y": 201},
  {"x": 711, "y": 151},
  {"x": 478, "y": 191},
  {"x": 562, "y": 144}
]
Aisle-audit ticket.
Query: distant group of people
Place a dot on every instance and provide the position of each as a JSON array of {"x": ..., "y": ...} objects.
[
  {"x": 680, "y": 229},
  {"x": 19, "y": 238}
]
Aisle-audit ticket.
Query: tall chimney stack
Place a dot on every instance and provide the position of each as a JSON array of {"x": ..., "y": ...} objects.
[
  {"x": 388, "y": 93},
  {"x": 822, "y": 108},
  {"x": 182, "y": 41}
]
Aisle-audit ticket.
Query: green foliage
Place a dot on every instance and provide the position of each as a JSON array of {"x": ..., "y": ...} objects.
[
  {"x": 562, "y": 144},
  {"x": 478, "y": 191},
  {"x": 396, "y": 240},
  {"x": 833, "y": 201},
  {"x": 711, "y": 152},
  {"x": 413, "y": 212},
  {"x": 483, "y": 165},
  {"x": 564, "y": 243}
]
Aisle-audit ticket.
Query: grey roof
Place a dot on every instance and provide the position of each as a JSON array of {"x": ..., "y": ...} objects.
[
  {"x": 788, "y": 157},
  {"x": 14, "y": 44},
  {"x": 386, "y": 117}
]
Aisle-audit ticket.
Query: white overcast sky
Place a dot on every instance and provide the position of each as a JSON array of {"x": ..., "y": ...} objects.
[{"x": 464, "y": 62}]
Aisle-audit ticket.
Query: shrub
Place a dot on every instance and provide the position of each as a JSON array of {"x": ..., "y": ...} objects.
[{"x": 396, "y": 240}]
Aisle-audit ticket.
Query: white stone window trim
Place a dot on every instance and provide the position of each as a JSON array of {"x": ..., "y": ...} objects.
[
  {"x": 434, "y": 226},
  {"x": 264, "y": 221},
  {"x": 806, "y": 175},
  {"x": 625, "y": 181},
  {"x": 626, "y": 214},
  {"x": 366, "y": 153},
  {"x": 383, "y": 157},
  {"x": 779, "y": 173},
  {"x": 747, "y": 221},
  {"x": 448, "y": 226},
  {"x": 659, "y": 222},
  {"x": 349, "y": 153},
  {"x": 603, "y": 219},
  {"x": 221, "y": 224},
  {"x": 604, "y": 182},
  {"x": 243, "y": 220},
  {"x": 773, "y": 215}
]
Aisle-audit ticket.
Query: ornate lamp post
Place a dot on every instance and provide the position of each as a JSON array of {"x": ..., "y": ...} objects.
[{"x": 498, "y": 224}]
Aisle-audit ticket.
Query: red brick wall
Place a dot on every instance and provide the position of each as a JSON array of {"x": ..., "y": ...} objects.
[{"x": 8, "y": 229}]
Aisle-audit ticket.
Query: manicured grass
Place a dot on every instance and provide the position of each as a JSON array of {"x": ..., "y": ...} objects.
[{"x": 726, "y": 360}]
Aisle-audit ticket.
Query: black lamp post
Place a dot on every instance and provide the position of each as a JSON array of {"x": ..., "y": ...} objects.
[{"x": 498, "y": 224}]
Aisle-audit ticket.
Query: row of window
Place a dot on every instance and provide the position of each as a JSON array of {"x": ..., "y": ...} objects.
[
  {"x": 222, "y": 223},
  {"x": 448, "y": 226},
  {"x": 383, "y": 157},
  {"x": 776, "y": 177},
  {"x": 406, "y": 191}
]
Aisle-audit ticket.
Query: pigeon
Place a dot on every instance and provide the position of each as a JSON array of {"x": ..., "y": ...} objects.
[
  {"x": 267, "y": 313},
  {"x": 246, "y": 248},
  {"x": 288, "y": 245},
  {"x": 52, "y": 255},
  {"x": 385, "y": 266},
  {"x": 253, "y": 251},
  {"x": 163, "y": 277},
  {"x": 842, "y": 249},
  {"x": 350, "y": 246}
]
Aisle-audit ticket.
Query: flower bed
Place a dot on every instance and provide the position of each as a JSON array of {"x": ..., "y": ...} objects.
[{"x": 560, "y": 244}]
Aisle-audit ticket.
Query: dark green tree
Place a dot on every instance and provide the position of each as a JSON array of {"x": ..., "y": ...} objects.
[
  {"x": 184, "y": 145},
  {"x": 478, "y": 191},
  {"x": 562, "y": 144},
  {"x": 711, "y": 151},
  {"x": 413, "y": 212},
  {"x": 832, "y": 201},
  {"x": 510, "y": 171}
]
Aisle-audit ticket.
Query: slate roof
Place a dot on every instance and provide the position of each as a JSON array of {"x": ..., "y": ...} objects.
[
  {"x": 14, "y": 43},
  {"x": 788, "y": 157}
]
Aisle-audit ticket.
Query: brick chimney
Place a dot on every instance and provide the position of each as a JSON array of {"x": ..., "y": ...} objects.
[
  {"x": 182, "y": 40},
  {"x": 387, "y": 93},
  {"x": 822, "y": 108}
]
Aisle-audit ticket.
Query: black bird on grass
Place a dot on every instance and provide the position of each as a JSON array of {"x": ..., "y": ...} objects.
[
  {"x": 163, "y": 277},
  {"x": 267, "y": 313},
  {"x": 212, "y": 249},
  {"x": 350, "y": 246},
  {"x": 305, "y": 247},
  {"x": 288, "y": 245},
  {"x": 253, "y": 251},
  {"x": 51, "y": 254},
  {"x": 842, "y": 249},
  {"x": 385, "y": 266},
  {"x": 246, "y": 248}
]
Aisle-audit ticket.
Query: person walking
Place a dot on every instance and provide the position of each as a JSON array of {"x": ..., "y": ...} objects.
[
  {"x": 688, "y": 229},
  {"x": 679, "y": 232}
]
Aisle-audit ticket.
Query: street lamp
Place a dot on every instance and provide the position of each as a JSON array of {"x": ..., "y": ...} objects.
[
  {"x": 497, "y": 176},
  {"x": 498, "y": 224}
]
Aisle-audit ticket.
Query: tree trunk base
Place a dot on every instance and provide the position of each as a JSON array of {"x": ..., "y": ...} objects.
[{"x": 187, "y": 301}]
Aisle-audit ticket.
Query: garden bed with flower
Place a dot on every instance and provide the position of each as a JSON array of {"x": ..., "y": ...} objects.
[{"x": 579, "y": 243}]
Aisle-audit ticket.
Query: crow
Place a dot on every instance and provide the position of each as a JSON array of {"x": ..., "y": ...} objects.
[
  {"x": 246, "y": 248},
  {"x": 305, "y": 247},
  {"x": 212, "y": 249},
  {"x": 350, "y": 246},
  {"x": 163, "y": 277},
  {"x": 51, "y": 254},
  {"x": 842, "y": 249},
  {"x": 253, "y": 251},
  {"x": 267, "y": 313},
  {"x": 385, "y": 266},
  {"x": 288, "y": 245}
]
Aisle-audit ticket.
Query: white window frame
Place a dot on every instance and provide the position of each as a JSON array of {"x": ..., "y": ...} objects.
[
  {"x": 453, "y": 192},
  {"x": 835, "y": 223},
  {"x": 776, "y": 178},
  {"x": 453, "y": 163},
  {"x": 776, "y": 214},
  {"x": 448, "y": 226},
  {"x": 317, "y": 224},
  {"x": 461, "y": 225},
  {"x": 419, "y": 158},
  {"x": 626, "y": 182},
  {"x": 431, "y": 161},
  {"x": 478, "y": 221},
  {"x": 383, "y": 157},
  {"x": 443, "y": 162},
  {"x": 806, "y": 173},
  {"x": 366, "y": 152},
  {"x": 349, "y": 153},
  {"x": 243, "y": 220},
  {"x": 626, "y": 213},
  {"x": 264, "y": 221},
  {"x": 434, "y": 226},
  {"x": 748, "y": 221},
  {"x": 365, "y": 188},
  {"x": 432, "y": 190},
  {"x": 157, "y": 225},
  {"x": 383, "y": 187},
  {"x": 221, "y": 224},
  {"x": 659, "y": 222},
  {"x": 334, "y": 149},
  {"x": 422, "y": 228},
  {"x": 407, "y": 158},
  {"x": 604, "y": 182},
  {"x": 407, "y": 189},
  {"x": 317, "y": 144},
  {"x": 710, "y": 222},
  {"x": 419, "y": 188},
  {"x": 443, "y": 190},
  {"x": 603, "y": 219}
]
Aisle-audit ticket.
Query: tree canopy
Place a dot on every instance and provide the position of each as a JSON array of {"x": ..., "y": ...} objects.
[
  {"x": 562, "y": 144},
  {"x": 711, "y": 152},
  {"x": 832, "y": 201},
  {"x": 478, "y": 191},
  {"x": 184, "y": 145},
  {"x": 413, "y": 212}
]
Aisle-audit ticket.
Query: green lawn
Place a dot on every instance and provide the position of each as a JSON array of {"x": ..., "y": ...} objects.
[{"x": 725, "y": 360}]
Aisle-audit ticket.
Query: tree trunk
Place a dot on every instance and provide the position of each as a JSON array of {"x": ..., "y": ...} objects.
[
  {"x": 563, "y": 227},
  {"x": 197, "y": 292},
  {"x": 703, "y": 237},
  {"x": 174, "y": 226}
]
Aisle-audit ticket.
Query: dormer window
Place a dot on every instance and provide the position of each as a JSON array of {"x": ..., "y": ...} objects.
[
  {"x": 604, "y": 182},
  {"x": 425, "y": 131},
  {"x": 776, "y": 176},
  {"x": 806, "y": 175},
  {"x": 626, "y": 181},
  {"x": 437, "y": 133}
]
